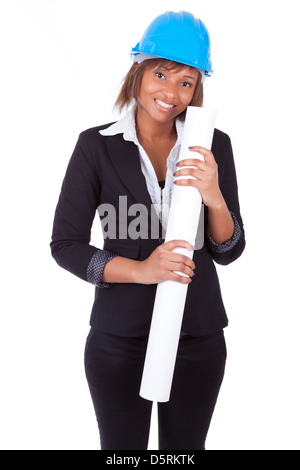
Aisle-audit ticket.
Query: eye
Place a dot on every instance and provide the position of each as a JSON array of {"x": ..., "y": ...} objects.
[
  {"x": 186, "y": 84},
  {"x": 160, "y": 75}
]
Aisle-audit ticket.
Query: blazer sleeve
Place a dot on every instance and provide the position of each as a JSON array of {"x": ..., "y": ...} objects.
[
  {"x": 223, "y": 153},
  {"x": 75, "y": 212}
]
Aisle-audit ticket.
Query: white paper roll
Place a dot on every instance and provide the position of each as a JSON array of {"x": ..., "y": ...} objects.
[{"x": 171, "y": 295}]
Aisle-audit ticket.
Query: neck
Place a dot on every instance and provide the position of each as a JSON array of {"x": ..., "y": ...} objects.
[{"x": 151, "y": 130}]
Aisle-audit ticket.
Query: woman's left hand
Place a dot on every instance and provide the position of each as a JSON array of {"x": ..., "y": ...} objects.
[{"x": 206, "y": 174}]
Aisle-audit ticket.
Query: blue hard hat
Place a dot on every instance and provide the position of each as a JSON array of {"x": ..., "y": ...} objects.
[{"x": 179, "y": 37}]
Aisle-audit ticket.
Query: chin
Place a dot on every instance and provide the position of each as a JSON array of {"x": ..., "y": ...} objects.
[{"x": 165, "y": 117}]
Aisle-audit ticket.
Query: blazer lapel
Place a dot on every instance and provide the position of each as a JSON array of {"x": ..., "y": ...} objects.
[{"x": 125, "y": 158}]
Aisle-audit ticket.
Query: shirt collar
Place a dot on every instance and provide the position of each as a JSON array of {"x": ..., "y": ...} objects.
[{"x": 126, "y": 126}]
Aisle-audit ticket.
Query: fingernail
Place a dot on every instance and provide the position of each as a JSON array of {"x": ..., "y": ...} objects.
[
  {"x": 188, "y": 245},
  {"x": 191, "y": 147}
]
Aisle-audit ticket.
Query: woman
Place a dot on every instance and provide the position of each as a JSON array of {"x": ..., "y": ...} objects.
[{"x": 114, "y": 167}]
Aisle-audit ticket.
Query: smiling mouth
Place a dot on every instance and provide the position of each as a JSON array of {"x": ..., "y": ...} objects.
[{"x": 165, "y": 105}]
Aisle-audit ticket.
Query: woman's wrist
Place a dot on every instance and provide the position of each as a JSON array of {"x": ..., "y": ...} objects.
[
  {"x": 220, "y": 222},
  {"x": 122, "y": 270},
  {"x": 218, "y": 203},
  {"x": 136, "y": 272}
]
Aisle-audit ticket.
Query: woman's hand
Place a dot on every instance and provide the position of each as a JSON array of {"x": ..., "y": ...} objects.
[
  {"x": 220, "y": 222},
  {"x": 206, "y": 174},
  {"x": 162, "y": 263}
]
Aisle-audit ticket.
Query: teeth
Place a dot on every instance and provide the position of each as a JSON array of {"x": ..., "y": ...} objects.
[{"x": 165, "y": 105}]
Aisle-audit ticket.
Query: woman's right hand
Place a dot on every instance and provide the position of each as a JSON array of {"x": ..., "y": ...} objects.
[{"x": 162, "y": 263}]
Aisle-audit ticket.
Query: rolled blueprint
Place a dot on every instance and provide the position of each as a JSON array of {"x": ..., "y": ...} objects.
[{"x": 171, "y": 295}]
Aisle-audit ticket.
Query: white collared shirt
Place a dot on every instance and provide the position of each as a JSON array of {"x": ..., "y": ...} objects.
[{"x": 160, "y": 197}]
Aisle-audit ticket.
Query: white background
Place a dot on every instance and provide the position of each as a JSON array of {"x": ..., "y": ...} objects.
[{"x": 62, "y": 62}]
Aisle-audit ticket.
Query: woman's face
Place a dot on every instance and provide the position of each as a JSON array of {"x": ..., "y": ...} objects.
[{"x": 165, "y": 93}]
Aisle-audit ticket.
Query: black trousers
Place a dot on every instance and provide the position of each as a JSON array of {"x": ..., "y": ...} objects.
[{"x": 114, "y": 367}]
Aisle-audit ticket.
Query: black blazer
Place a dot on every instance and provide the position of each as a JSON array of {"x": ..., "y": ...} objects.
[{"x": 101, "y": 169}]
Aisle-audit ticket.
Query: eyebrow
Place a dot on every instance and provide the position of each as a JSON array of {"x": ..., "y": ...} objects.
[
  {"x": 185, "y": 76},
  {"x": 191, "y": 78}
]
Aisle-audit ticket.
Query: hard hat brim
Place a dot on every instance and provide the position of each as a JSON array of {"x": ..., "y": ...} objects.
[{"x": 134, "y": 52}]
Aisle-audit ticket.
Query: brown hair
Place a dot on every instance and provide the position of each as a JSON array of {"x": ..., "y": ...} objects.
[{"x": 131, "y": 85}]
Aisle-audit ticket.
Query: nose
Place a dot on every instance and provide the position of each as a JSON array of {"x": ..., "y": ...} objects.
[{"x": 170, "y": 91}]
